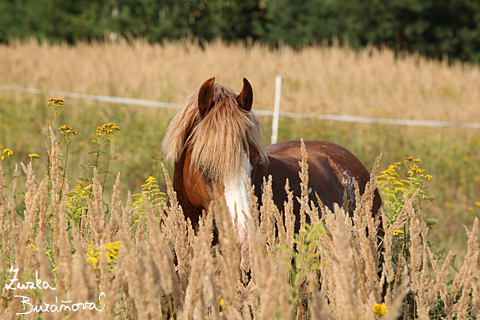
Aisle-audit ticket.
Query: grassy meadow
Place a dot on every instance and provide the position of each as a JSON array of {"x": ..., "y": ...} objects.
[
  {"x": 368, "y": 83},
  {"x": 335, "y": 80}
]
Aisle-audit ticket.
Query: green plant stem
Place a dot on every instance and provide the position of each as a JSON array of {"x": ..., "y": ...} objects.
[
  {"x": 10, "y": 175},
  {"x": 106, "y": 169},
  {"x": 97, "y": 154},
  {"x": 64, "y": 169}
]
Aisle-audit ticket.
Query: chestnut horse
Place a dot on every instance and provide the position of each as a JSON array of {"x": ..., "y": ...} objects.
[{"x": 214, "y": 139}]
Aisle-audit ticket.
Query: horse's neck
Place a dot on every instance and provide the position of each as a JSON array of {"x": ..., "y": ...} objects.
[{"x": 189, "y": 210}]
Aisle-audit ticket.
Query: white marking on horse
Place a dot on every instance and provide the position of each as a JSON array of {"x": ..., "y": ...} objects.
[
  {"x": 236, "y": 196},
  {"x": 346, "y": 180}
]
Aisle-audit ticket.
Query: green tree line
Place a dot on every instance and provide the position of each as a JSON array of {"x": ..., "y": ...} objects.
[{"x": 435, "y": 28}]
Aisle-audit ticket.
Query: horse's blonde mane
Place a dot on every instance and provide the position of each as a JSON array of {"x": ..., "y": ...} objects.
[{"x": 219, "y": 140}]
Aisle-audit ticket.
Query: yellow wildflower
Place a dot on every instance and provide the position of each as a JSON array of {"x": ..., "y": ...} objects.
[
  {"x": 380, "y": 309},
  {"x": 397, "y": 232},
  {"x": 33, "y": 155},
  {"x": 477, "y": 203},
  {"x": 222, "y": 306},
  {"x": 7, "y": 152},
  {"x": 65, "y": 127}
]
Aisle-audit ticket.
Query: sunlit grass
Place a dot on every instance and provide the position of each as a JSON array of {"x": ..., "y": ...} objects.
[
  {"x": 325, "y": 80},
  {"x": 93, "y": 247}
]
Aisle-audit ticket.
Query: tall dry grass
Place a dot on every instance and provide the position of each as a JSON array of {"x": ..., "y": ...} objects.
[
  {"x": 333, "y": 80},
  {"x": 164, "y": 270},
  {"x": 328, "y": 80}
]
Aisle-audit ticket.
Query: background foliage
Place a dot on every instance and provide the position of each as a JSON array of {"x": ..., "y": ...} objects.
[{"x": 442, "y": 28}]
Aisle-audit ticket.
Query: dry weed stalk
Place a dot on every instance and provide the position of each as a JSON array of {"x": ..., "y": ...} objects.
[
  {"x": 201, "y": 294},
  {"x": 228, "y": 256},
  {"x": 267, "y": 224},
  {"x": 180, "y": 242}
]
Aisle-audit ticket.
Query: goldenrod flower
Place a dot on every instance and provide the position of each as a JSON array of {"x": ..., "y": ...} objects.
[
  {"x": 33, "y": 155},
  {"x": 107, "y": 128},
  {"x": 111, "y": 253},
  {"x": 7, "y": 152},
  {"x": 397, "y": 232},
  {"x": 65, "y": 127},
  {"x": 380, "y": 309},
  {"x": 222, "y": 306},
  {"x": 428, "y": 177}
]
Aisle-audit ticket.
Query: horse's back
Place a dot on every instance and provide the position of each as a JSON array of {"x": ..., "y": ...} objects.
[
  {"x": 331, "y": 170},
  {"x": 322, "y": 156}
]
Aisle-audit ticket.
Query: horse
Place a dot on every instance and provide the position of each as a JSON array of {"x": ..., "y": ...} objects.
[{"x": 214, "y": 140}]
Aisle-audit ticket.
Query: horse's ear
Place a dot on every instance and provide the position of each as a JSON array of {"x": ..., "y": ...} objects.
[
  {"x": 245, "y": 98},
  {"x": 205, "y": 96}
]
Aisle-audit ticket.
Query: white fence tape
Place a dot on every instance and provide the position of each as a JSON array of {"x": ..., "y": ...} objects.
[
  {"x": 310, "y": 115},
  {"x": 117, "y": 100}
]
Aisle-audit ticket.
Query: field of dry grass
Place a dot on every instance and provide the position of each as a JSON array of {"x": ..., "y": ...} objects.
[
  {"x": 325, "y": 80},
  {"x": 370, "y": 82},
  {"x": 119, "y": 259}
]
